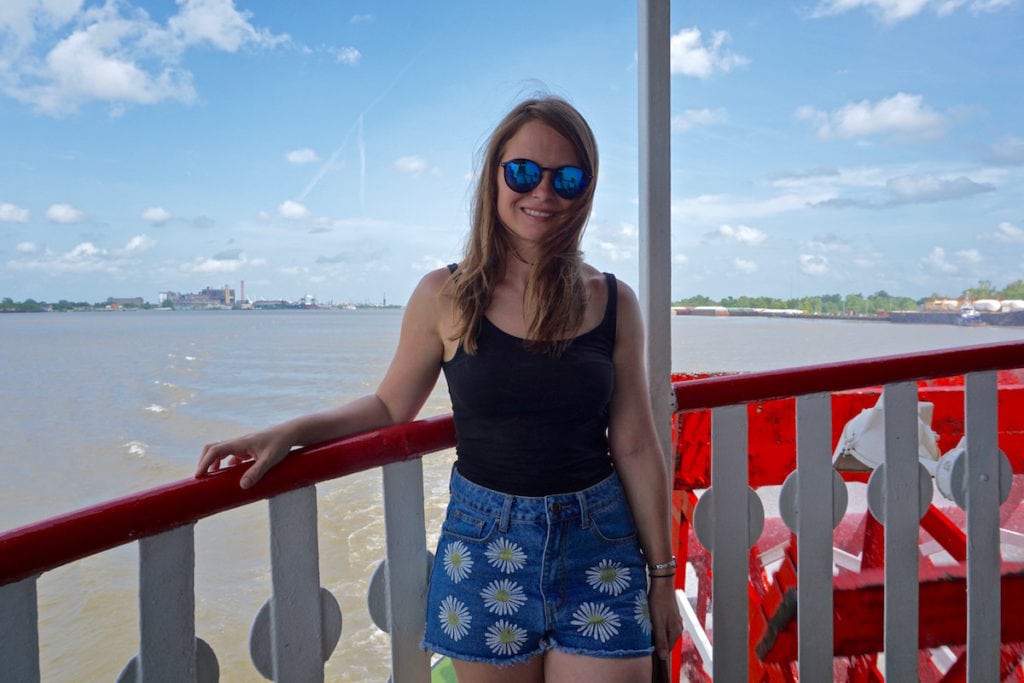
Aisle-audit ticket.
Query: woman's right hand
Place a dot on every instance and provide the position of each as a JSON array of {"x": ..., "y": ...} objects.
[{"x": 266, "y": 448}]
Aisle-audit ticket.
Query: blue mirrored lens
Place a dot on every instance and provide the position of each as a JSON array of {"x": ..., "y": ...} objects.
[
  {"x": 569, "y": 182},
  {"x": 522, "y": 175}
]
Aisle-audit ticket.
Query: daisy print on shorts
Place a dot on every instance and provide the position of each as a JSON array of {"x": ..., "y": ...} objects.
[
  {"x": 505, "y": 555},
  {"x": 457, "y": 562},
  {"x": 455, "y": 618},
  {"x": 596, "y": 620},
  {"x": 642, "y": 613},
  {"x": 505, "y": 638},
  {"x": 503, "y": 597},
  {"x": 609, "y": 577}
]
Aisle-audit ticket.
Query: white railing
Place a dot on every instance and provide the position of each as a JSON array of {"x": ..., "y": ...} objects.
[
  {"x": 298, "y": 628},
  {"x": 898, "y": 495}
]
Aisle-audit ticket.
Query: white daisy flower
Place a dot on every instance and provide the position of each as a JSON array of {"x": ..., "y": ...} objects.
[
  {"x": 505, "y": 555},
  {"x": 455, "y": 618},
  {"x": 457, "y": 562},
  {"x": 505, "y": 638},
  {"x": 503, "y": 597},
  {"x": 596, "y": 620},
  {"x": 609, "y": 577},
  {"x": 642, "y": 613}
]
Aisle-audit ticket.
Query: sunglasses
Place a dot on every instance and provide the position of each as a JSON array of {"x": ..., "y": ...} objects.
[{"x": 522, "y": 175}]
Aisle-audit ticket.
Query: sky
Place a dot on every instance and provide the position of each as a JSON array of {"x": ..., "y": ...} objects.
[{"x": 329, "y": 148}]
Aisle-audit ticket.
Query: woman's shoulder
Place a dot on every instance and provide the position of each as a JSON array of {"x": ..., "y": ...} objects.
[{"x": 433, "y": 284}]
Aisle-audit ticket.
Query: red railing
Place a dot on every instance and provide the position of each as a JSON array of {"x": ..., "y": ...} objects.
[
  {"x": 45, "y": 545},
  {"x": 50, "y": 543},
  {"x": 38, "y": 547}
]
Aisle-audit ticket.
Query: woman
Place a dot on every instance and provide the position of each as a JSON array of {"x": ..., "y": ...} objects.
[{"x": 541, "y": 572}]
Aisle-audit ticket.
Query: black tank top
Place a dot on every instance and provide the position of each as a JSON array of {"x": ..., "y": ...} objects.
[{"x": 531, "y": 424}]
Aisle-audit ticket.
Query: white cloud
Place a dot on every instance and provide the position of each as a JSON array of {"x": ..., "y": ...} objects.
[
  {"x": 115, "y": 53},
  {"x": 156, "y": 215},
  {"x": 1007, "y": 232},
  {"x": 85, "y": 257},
  {"x": 10, "y": 213},
  {"x": 920, "y": 189},
  {"x": 225, "y": 262},
  {"x": 64, "y": 213},
  {"x": 901, "y": 116},
  {"x": 743, "y": 234},
  {"x": 412, "y": 164},
  {"x": 936, "y": 261},
  {"x": 428, "y": 263},
  {"x": 680, "y": 260},
  {"x": 813, "y": 264},
  {"x": 292, "y": 210},
  {"x": 1009, "y": 150},
  {"x": 614, "y": 251},
  {"x": 690, "y": 56},
  {"x": 361, "y": 19},
  {"x": 893, "y": 11},
  {"x": 692, "y": 118},
  {"x": 139, "y": 243},
  {"x": 302, "y": 156},
  {"x": 969, "y": 255},
  {"x": 347, "y": 55},
  {"x": 744, "y": 266}
]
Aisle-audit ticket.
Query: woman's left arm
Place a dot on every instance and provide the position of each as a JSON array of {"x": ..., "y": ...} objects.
[{"x": 640, "y": 464}]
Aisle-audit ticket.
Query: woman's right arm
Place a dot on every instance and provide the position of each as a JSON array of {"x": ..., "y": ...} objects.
[{"x": 403, "y": 391}]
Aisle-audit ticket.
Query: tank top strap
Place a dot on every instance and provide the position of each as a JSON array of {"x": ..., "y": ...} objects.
[{"x": 610, "y": 321}]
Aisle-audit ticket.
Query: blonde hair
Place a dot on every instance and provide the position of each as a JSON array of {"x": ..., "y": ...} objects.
[{"x": 555, "y": 296}]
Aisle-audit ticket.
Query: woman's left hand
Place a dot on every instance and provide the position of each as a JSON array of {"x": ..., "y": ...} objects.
[{"x": 666, "y": 623}]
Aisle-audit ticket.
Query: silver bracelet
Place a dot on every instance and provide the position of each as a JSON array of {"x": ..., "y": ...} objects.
[{"x": 671, "y": 564}]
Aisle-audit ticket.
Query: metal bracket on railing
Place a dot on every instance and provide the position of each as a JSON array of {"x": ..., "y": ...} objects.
[
  {"x": 207, "y": 667},
  {"x": 951, "y": 475},
  {"x": 876, "y": 492},
  {"x": 377, "y": 593},
  {"x": 704, "y": 519},
  {"x": 789, "y": 500},
  {"x": 261, "y": 648}
]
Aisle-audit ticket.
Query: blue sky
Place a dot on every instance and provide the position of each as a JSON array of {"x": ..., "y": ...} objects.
[{"x": 328, "y": 148}]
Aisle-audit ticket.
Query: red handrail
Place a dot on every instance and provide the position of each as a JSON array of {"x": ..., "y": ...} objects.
[
  {"x": 713, "y": 392},
  {"x": 44, "y": 545},
  {"x": 53, "y": 542}
]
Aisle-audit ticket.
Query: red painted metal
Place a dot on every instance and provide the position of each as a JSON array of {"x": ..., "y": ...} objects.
[
  {"x": 771, "y": 426},
  {"x": 713, "y": 392},
  {"x": 41, "y": 546},
  {"x": 859, "y": 601}
]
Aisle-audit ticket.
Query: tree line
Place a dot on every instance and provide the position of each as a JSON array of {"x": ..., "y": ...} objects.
[
  {"x": 854, "y": 304},
  {"x": 9, "y": 305}
]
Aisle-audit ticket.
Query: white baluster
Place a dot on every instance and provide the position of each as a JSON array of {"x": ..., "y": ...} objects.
[
  {"x": 816, "y": 493},
  {"x": 983, "y": 498},
  {"x": 168, "y": 647},
  {"x": 407, "y": 569},
  {"x": 19, "y": 632},
  {"x": 903, "y": 512},
  {"x": 729, "y": 554}
]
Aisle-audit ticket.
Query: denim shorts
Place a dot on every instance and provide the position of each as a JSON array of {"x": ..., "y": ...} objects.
[{"x": 514, "y": 576}]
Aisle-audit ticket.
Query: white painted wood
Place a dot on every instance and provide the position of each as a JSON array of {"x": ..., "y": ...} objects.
[
  {"x": 19, "y": 632},
  {"x": 167, "y": 634},
  {"x": 654, "y": 88},
  {"x": 296, "y": 623},
  {"x": 407, "y": 569},
  {"x": 983, "y": 567},
  {"x": 902, "y": 518},
  {"x": 814, "y": 535},
  {"x": 691, "y": 624},
  {"x": 729, "y": 559}
]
